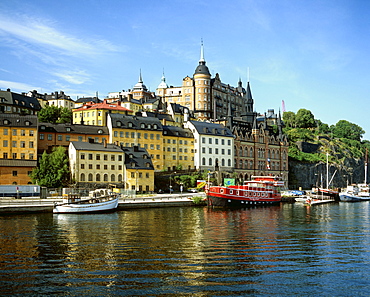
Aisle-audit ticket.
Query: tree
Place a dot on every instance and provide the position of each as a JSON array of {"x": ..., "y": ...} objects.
[
  {"x": 53, "y": 170},
  {"x": 305, "y": 119},
  {"x": 53, "y": 114},
  {"x": 65, "y": 115},
  {"x": 289, "y": 119},
  {"x": 345, "y": 129}
]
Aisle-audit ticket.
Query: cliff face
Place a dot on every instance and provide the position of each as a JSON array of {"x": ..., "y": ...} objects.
[{"x": 346, "y": 169}]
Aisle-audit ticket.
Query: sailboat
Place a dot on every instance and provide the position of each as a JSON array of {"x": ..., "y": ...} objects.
[{"x": 326, "y": 191}]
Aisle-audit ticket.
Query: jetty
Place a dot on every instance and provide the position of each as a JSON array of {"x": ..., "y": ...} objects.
[{"x": 37, "y": 205}]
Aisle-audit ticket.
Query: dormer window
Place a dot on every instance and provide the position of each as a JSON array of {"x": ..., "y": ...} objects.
[
  {"x": 130, "y": 156},
  {"x": 142, "y": 125},
  {"x": 119, "y": 124},
  {"x": 68, "y": 129},
  {"x": 165, "y": 132},
  {"x": 42, "y": 127},
  {"x": 6, "y": 122},
  {"x": 149, "y": 126},
  {"x": 155, "y": 126},
  {"x": 27, "y": 123},
  {"x": 147, "y": 164},
  {"x": 100, "y": 131},
  {"x": 130, "y": 125},
  {"x": 145, "y": 157},
  {"x": 132, "y": 165}
]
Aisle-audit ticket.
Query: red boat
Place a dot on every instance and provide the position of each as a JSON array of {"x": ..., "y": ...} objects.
[{"x": 261, "y": 190}]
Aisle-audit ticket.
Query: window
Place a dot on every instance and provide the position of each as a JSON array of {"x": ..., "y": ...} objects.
[
  {"x": 112, "y": 158},
  {"x": 15, "y": 173},
  {"x": 5, "y": 143},
  {"x": 97, "y": 157},
  {"x": 60, "y": 137},
  {"x": 82, "y": 166},
  {"x": 105, "y": 167},
  {"x": 31, "y": 156},
  {"x": 112, "y": 167},
  {"x": 14, "y": 132},
  {"x": 68, "y": 138},
  {"x": 105, "y": 157},
  {"x": 90, "y": 166},
  {"x": 41, "y": 136},
  {"x": 5, "y": 131},
  {"x": 79, "y": 138},
  {"x": 98, "y": 166},
  {"x": 23, "y": 144},
  {"x": 5, "y": 155},
  {"x": 31, "y": 133},
  {"x": 23, "y": 133},
  {"x": 14, "y": 144},
  {"x": 50, "y": 137},
  {"x": 82, "y": 157},
  {"x": 210, "y": 141},
  {"x": 23, "y": 156}
]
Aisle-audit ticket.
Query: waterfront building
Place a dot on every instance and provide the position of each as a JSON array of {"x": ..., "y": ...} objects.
[
  {"x": 213, "y": 146},
  {"x": 208, "y": 98},
  {"x": 95, "y": 165},
  {"x": 96, "y": 113},
  {"x": 130, "y": 131},
  {"x": 178, "y": 148},
  {"x": 18, "y": 143},
  {"x": 14, "y": 103},
  {"x": 139, "y": 170},
  {"x": 260, "y": 148},
  {"x": 54, "y": 135}
]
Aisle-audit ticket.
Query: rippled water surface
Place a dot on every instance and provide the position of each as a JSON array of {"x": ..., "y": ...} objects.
[{"x": 287, "y": 250}]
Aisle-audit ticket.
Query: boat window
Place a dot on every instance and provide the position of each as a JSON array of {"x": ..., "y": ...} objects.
[
  {"x": 222, "y": 191},
  {"x": 231, "y": 191}
]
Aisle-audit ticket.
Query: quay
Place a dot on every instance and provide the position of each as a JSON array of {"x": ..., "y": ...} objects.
[{"x": 37, "y": 205}]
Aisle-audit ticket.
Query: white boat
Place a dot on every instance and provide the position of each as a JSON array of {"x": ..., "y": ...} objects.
[
  {"x": 352, "y": 194},
  {"x": 100, "y": 200}
]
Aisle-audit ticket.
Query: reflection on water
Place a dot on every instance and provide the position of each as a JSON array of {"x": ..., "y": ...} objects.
[{"x": 278, "y": 250}]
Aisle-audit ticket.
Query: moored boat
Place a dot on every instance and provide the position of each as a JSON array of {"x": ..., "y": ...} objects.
[
  {"x": 316, "y": 200},
  {"x": 100, "y": 200},
  {"x": 352, "y": 194},
  {"x": 260, "y": 190}
]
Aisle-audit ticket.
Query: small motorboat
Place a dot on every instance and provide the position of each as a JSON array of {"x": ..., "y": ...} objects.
[{"x": 100, "y": 200}]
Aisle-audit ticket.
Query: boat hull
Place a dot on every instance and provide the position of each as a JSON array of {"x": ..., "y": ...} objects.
[
  {"x": 352, "y": 198},
  {"x": 215, "y": 201},
  {"x": 105, "y": 206}
]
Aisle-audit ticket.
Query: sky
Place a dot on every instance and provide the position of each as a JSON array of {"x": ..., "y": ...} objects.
[{"x": 295, "y": 54}]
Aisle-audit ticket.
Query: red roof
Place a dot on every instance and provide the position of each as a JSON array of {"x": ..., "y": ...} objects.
[{"x": 104, "y": 105}]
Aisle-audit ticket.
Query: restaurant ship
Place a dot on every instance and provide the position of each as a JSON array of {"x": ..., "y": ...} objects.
[{"x": 260, "y": 190}]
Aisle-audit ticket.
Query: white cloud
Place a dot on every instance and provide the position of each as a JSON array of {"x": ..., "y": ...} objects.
[
  {"x": 38, "y": 32},
  {"x": 76, "y": 77},
  {"x": 17, "y": 86}
]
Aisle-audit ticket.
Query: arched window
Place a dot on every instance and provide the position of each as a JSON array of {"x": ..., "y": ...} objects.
[
  {"x": 97, "y": 177},
  {"x": 82, "y": 177},
  {"x": 112, "y": 178},
  {"x": 105, "y": 177},
  {"x": 223, "y": 162},
  {"x": 203, "y": 161},
  {"x": 90, "y": 177},
  {"x": 246, "y": 152},
  {"x": 250, "y": 164},
  {"x": 241, "y": 152},
  {"x": 235, "y": 150},
  {"x": 229, "y": 162},
  {"x": 210, "y": 162},
  {"x": 251, "y": 152},
  {"x": 246, "y": 164},
  {"x": 241, "y": 164},
  {"x": 119, "y": 177}
]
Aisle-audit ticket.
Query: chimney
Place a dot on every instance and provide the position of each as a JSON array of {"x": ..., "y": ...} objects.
[
  {"x": 104, "y": 143},
  {"x": 136, "y": 148},
  {"x": 129, "y": 97},
  {"x": 164, "y": 122}
]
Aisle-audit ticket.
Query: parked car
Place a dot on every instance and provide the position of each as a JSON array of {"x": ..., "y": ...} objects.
[{"x": 193, "y": 190}]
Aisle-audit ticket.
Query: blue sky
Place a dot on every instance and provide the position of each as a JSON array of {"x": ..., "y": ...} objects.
[{"x": 311, "y": 54}]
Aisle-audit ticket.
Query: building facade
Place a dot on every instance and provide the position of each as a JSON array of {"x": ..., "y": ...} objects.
[{"x": 18, "y": 143}]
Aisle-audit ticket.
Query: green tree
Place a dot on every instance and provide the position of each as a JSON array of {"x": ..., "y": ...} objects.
[
  {"x": 65, "y": 115},
  {"x": 53, "y": 114},
  {"x": 53, "y": 170},
  {"x": 305, "y": 119},
  {"x": 289, "y": 119},
  {"x": 345, "y": 129}
]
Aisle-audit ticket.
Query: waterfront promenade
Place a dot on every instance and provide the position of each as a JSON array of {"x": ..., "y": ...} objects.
[{"x": 35, "y": 204}]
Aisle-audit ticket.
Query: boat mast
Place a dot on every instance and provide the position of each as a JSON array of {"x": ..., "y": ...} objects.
[
  {"x": 366, "y": 167},
  {"x": 327, "y": 170}
]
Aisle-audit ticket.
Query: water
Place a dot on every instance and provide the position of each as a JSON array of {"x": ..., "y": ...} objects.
[{"x": 287, "y": 250}]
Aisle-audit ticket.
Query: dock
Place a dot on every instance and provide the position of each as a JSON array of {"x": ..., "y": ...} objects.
[{"x": 37, "y": 205}]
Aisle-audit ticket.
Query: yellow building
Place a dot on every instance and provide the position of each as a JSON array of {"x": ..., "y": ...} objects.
[
  {"x": 206, "y": 97},
  {"x": 18, "y": 143},
  {"x": 139, "y": 170},
  {"x": 96, "y": 113},
  {"x": 96, "y": 164},
  {"x": 144, "y": 132},
  {"x": 178, "y": 148}
]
